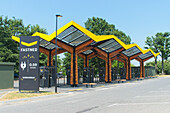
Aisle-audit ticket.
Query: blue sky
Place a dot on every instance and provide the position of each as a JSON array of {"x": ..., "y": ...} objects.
[{"x": 138, "y": 19}]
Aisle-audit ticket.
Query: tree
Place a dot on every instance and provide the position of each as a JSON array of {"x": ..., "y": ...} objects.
[
  {"x": 8, "y": 48},
  {"x": 163, "y": 41},
  {"x": 99, "y": 26},
  {"x": 151, "y": 43},
  {"x": 160, "y": 43}
]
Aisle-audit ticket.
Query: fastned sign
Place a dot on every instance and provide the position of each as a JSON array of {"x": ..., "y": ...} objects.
[{"x": 29, "y": 63}]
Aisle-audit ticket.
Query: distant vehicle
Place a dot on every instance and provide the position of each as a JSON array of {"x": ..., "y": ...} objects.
[
  {"x": 16, "y": 75},
  {"x": 59, "y": 75}
]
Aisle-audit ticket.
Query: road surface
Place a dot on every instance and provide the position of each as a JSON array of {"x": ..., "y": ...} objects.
[{"x": 147, "y": 96}]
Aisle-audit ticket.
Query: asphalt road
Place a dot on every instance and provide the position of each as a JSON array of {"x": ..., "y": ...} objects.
[{"x": 147, "y": 96}]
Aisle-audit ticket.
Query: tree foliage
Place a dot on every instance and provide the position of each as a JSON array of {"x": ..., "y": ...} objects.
[
  {"x": 8, "y": 48},
  {"x": 99, "y": 26},
  {"x": 160, "y": 43}
]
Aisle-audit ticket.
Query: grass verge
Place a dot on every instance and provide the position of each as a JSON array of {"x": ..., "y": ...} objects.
[
  {"x": 27, "y": 94},
  {"x": 163, "y": 75}
]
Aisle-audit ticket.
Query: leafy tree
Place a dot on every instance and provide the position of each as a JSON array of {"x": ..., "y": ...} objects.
[
  {"x": 99, "y": 26},
  {"x": 8, "y": 48},
  {"x": 151, "y": 43},
  {"x": 163, "y": 41},
  {"x": 160, "y": 43}
]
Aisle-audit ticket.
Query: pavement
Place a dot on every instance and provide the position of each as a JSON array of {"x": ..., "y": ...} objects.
[{"x": 145, "y": 96}]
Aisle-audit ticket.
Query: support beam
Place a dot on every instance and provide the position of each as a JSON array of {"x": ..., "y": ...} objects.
[
  {"x": 124, "y": 56},
  {"x": 91, "y": 55},
  {"x": 101, "y": 52},
  {"x": 119, "y": 59},
  {"x": 84, "y": 49},
  {"x": 134, "y": 56},
  {"x": 138, "y": 59},
  {"x": 84, "y": 45},
  {"x": 116, "y": 52},
  {"x": 147, "y": 58},
  {"x": 81, "y": 55},
  {"x": 43, "y": 50},
  {"x": 101, "y": 57},
  {"x": 63, "y": 45}
]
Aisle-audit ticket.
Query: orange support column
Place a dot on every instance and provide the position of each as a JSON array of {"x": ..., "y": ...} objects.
[
  {"x": 141, "y": 70},
  {"x": 48, "y": 60},
  {"x": 129, "y": 70},
  {"x": 86, "y": 61},
  {"x": 106, "y": 70},
  {"x": 108, "y": 77},
  {"x": 52, "y": 60},
  {"x": 71, "y": 70},
  {"x": 126, "y": 65},
  {"x": 74, "y": 69},
  {"x": 110, "y": 70}
]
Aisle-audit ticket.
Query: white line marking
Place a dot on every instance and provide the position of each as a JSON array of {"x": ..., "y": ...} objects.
[{"x": 134, "y": 104}]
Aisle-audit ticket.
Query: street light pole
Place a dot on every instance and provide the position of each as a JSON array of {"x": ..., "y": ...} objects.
[{"x": 56, "y": 55}]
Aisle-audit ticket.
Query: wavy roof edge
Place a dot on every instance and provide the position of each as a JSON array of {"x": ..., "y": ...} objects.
[{"x": 96, "y": 38}]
